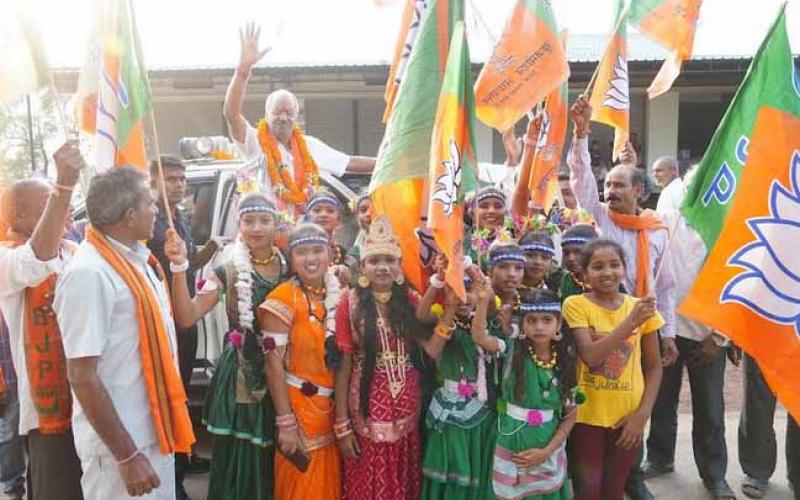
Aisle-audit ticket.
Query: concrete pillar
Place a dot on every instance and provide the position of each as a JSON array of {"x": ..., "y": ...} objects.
[
  {"x": 483, "y": 136},
  {"x": 662, "y": 127}
]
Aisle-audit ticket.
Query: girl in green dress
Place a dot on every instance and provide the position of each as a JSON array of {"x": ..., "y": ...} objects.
[
  {"x": 536, "y": 410},
  {"x": 459, "y": 422},
  {"x": 238, "y": 412},
  {"x": 572, "y": 242}
]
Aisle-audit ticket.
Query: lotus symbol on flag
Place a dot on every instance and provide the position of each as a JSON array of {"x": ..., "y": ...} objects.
[
  {"x": 447, "y": 184},
  {"x": 770, "y": 286},
  {"x": 617, "y": 93}
]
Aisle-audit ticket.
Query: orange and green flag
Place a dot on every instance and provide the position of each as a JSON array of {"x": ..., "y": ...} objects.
[
  {"x": 113, "y": 91},
  {"x": 749, "y": 287},
  {"x": 528, "y": 62},
  {"x": 670, "y": 23},
  {"x": 398, "y": 181},
  {"x": 543, "y": 180},
  {"x": 610, "y": 97},
  {"x": 453, "y": 160},
  {"x": 409, "y": 30}
]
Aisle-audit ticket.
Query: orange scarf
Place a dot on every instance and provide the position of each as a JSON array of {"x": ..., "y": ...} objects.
[
  {"x": 642, "y": 224},
  {"x": 306, "y": 174},
  {"x": 164, "y": 388},
  {"x": 45, "y": 358}
]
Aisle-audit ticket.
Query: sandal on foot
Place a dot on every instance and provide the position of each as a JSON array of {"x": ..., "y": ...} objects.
[
  {"x": 720, "y": 490},
  {"x": 753, "y": 487}
]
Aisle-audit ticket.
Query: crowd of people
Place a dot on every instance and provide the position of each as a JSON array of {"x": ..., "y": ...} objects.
[{"x": 338, "y": 378}]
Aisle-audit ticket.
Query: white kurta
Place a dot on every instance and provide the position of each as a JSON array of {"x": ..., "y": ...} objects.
[{"x": 98, "y": 318}]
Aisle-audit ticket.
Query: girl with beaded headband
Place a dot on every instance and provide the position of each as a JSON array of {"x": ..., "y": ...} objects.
[
  {"x": 460, "y": 422},
  {"x": 378, "y": 393},
  {"x": 572, "y": 242},
  {"x": 238, "y": 413},
  {"x": 299, "y": 319},
  {"x": 619, "y": 368},
  {"x": 506, "y": 272},
  {"x": 540, "y": 268},
  {"x": 537, "y": 398},
  {"x": 489, "y": 217},
  {"x": 324, "y": 209}
]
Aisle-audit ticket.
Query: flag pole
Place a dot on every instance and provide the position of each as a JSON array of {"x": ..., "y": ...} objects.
[{"x": 163, "y": 184}]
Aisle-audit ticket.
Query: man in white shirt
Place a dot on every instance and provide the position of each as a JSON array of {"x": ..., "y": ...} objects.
[
  {"x": 702, "y": 352},
  {"x": 30, "y": 262},
  {"x": 281, "y": 113},
  {"x": 111, "y": 296},
  {"x": 667, "y": 176}
]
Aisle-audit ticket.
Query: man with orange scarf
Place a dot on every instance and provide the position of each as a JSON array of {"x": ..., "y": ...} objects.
[
  {"x": 32, "y": 257},
  {"x": 293, "y": 160},
  {"x": 114, "y": 310},
  {"x": 640, "y": 232}
]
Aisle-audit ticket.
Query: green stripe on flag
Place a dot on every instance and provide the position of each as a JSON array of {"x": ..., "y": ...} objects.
[
  {"x": 771, "y": 80},
  {"x": 135, "y": 96},
  {"x": 543, "y": 9},
  {"x": 405, "y": 150},
  {"x": 640, "y": 9}
]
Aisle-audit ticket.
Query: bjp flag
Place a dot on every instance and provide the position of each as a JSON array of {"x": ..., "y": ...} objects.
[
  {"x": 610, "y": 97},
  {"x": 543, "y": 181},
  {"x": 409, "y": 29},
  {"x": 452, "y": 165},
  {"x": 528, "y": 62},
  {"x": 749, "y": 287},
  {"x": 671, "y": 23},
  {"x": 113, "y": 91}
]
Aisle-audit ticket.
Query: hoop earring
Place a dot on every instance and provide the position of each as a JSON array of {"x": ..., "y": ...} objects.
[
  {"x": 558, "y": 336},
  {"x": 363, "y": 281}
]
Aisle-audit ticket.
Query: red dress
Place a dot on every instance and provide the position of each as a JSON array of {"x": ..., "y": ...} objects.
[{"x": 389, "y": 465}]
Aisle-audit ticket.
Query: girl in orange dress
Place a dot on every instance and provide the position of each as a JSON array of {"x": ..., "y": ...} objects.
[{"x": 299, "y": 319}]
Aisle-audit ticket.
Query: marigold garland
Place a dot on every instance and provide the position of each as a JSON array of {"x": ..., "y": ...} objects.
[{"x": 287, "y": 189}]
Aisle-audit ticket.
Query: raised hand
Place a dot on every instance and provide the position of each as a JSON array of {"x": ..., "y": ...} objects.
[
  {"x": 69, "y": 164},
  {"x": 581, "y": 113},
  {"x": 513, "y": 147},
  {"x": 643, "y": 310},
  {"x": 175, "y": 248},
  {"x": 629, "y": 156},
  {"x": 250, "y": 53}
]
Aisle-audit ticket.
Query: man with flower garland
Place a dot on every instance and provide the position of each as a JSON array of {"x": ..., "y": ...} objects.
[{"x": 293, "y": 159}]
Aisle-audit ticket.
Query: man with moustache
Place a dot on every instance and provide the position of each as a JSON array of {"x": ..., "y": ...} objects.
[
  {"x": 32, "y": 260},
  {"x": 114, "y": 310},
  {"x": 640, "y": 232}
]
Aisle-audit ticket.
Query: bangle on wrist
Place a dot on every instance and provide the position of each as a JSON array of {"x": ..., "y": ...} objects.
[
  {"x": 443, "y": 331},
  {"x": 129, "y": 459},
  {"x": 57, "y": 188},
  {"x": 178, "y": 268},
  {"x": 437, "y": 282}
]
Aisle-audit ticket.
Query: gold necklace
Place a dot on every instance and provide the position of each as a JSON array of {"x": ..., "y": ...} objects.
[
  {"x": 315, "y": 290},
  {"x": 549, "y": 365},
  {"x": 382, "y": 297},
  {"x": 579, "y": 282},
  {"x": 395, "y": 363},
  {"x": 267, "y": 261}
]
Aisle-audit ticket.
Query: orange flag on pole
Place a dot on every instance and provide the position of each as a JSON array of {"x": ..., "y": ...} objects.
[
  {"x": 749, "y": 287},
  {"x": 543, "y": 181},
  {"x": 528, "y": 62},
  {"x": 409, "y": 29},
  {"x": 452, "y": 165},
  {"x": 671, "y": 23},
  {"x": 610, "y": 96}
]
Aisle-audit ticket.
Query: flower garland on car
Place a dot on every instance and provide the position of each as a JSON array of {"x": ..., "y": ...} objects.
[{"x": 306, "y": 176}]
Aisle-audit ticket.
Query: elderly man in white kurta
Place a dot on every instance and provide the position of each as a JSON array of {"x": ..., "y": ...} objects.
[
  {"x": 293, "y": 160},
  {"x": 119, "y": 337}
]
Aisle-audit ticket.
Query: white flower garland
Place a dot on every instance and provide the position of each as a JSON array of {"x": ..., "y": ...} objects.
[
  {"x": 244, "y": 283},
  {"x": 333, "y": 295}
]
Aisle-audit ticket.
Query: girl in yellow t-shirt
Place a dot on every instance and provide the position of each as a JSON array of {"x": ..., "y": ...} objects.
[{"x": 619, "y": 370}]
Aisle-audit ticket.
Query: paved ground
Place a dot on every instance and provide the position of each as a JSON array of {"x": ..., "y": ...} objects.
[{"x": 684, "y": 483}]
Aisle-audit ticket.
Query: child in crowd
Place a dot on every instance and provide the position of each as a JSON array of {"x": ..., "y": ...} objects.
[
  {"x": 537, "y": 398},
  {"x": 458, "y": 460},
  {"x": 572, "y": 242},
  {"x": 619, "y": 370},
  {"x": 540, "y": 271}
]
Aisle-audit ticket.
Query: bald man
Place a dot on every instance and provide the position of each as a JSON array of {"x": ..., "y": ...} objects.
[
  {"x": 281, "y": 114},
  {"x": 667, "y": 175},
  {"x": 641, "y": 234},
  {"x": 31, "y": 260}
]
